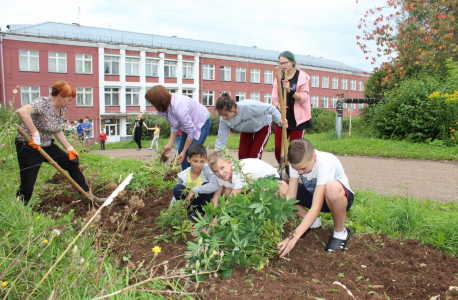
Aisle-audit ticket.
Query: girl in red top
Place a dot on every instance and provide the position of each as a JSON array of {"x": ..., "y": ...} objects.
[{"x": 103, "y": 138}]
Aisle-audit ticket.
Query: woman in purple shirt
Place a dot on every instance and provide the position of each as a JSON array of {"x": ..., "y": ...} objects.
[{"x": 183, "y": 113}]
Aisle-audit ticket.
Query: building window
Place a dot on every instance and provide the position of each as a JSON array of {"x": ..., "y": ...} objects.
[
  {"x": 28, "y": 60},
  {"x": 172, "y": 90},
  {"x": 57, "y": 62},
  {"x": 83, "y": 63},
  {"x": 361, "y": 86},
  {"x": 188, "y": 68},
  {"x": 360, "y": 106},
  {"x": 333, "y": 102},
  {"x": 188, "y": 93},
  {"x": 240, "y": 74},
  {"x": 170, "y": 68},
  {"x": 255, "y": 75},
  {"x": 239, "y": 96},
  {"x": 151, "y": 67},
  {"x": 111, "y": 96},
  {"x": 353, "y": 105},
  {"x": 132, "y": 96},
  {"x": 132, "y": 66},
  {"x": 315, "y": 81},
  {"x": 222, "y": 92},
  {"x": 314, "y": 101},
  {"x": 353, "y": 85},
  {"x": 209, "y": 72},
  {"x": 111, "y": 65},
  {"x": 268, "y": 98},
  {"x": 254, "y": 96},
  {"x": 324, "y": 101},
  {"x": 344, "y": 84},
  {"x": 268, "y": 76},
  {"x": 29, "y": 94},
  {"x": 225, "y": 73},
  {"x": 208, "y": 97},
  {"x": 335, "y": 83},
  {"x": 83, "y": 96},
  {"x": 325, "y": 82}
]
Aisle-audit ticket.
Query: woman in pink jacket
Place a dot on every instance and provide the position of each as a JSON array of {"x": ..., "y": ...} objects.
[{"x": 298, "y": 112}]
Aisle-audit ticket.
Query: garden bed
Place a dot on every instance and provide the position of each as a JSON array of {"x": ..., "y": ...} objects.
[{"x": 373, "y": 266}]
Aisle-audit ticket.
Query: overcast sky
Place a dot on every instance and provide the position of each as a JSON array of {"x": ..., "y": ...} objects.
[{"x": 321, "y": 28}]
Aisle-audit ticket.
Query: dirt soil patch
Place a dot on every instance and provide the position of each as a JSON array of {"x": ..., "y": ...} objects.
[{"x": 373, "y": 266}]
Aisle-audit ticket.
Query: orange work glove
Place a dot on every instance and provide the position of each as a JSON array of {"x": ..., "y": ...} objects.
[
  {"x": 36, "y": 140},
  {"x": 72, "y": 154}
]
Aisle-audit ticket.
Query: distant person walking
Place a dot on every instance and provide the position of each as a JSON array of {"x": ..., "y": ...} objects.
[
  {"x": 298, "y": 108},
  {"x": 80, "y": 130},
  {"x": 183, "y": 113},
  {"x": 138, "y": 130},
  {"x": 157, "y": 129}
]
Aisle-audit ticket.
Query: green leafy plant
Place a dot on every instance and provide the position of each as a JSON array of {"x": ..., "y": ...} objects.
[{"x": 247, "y": 230}]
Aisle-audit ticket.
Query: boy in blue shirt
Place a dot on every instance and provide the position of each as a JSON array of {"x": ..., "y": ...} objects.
[
  {"x": 80, "y": 130},
  {"x": 87, "y": 128},
  {"x": 199, "y": 178}
]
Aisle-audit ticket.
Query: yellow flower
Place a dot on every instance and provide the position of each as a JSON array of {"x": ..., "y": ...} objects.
[
  {"x": 453, "y": 137},
  {"x": 453, "y": 130},
  {"x": 38, "y": 217},
  {"x": 214, "y": 252},
  {"x": 157, "y": 249},
  {"x": 4, "y": 283},
  {"x": 92, "y": 226},
  {"x": 45, "y": 241}
]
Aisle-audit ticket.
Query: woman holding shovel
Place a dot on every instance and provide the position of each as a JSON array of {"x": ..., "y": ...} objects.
[
  {"x": 298, "y": 109},
  {"x": 41, "y": 120}
]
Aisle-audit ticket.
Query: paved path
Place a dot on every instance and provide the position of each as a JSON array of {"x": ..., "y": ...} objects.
[{"x": 424, "y": 179}]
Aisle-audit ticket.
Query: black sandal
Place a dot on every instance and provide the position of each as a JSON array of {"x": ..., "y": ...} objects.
[{"x": 335, "y": 243}]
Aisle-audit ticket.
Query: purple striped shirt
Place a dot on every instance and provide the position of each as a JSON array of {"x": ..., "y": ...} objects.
[{"x": 187, "y": 115}]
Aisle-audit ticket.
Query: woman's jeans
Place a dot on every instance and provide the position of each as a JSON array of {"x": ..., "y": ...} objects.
[{"x": 184, "y": 136}]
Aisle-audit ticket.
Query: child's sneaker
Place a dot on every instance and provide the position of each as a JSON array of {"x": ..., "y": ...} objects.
[
  {"x": 316, "y": 223},
  {"x": 150, "y": 148}
]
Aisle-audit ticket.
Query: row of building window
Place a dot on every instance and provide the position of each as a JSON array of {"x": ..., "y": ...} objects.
[
  {"x": 57, "y": 62},
  {"x": 84, "y": 97},
  {"x": 335, "y": 83}
]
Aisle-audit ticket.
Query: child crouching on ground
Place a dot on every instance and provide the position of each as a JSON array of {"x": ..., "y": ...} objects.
[
  {"x": 232, "y": 183},
  {"x": 198, "y": 178},
  {"x": 323, "y": 188}
]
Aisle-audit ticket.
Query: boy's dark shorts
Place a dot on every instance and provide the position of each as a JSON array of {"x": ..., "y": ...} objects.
[{"x": 305, "y": 198}]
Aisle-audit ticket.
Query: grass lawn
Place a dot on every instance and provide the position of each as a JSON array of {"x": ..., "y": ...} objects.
[{"x": 355, "y": 145}]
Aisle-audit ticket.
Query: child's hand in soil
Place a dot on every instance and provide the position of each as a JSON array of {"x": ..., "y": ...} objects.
[
  {"x": 285, "y": 246},
  {"x": 188, "y": 199}
]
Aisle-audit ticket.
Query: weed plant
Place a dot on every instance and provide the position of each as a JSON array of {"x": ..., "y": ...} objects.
[{"x": 31, "y": 242}]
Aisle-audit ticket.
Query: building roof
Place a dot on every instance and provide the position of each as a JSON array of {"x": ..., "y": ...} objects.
[{"x": 117, "y": 37}]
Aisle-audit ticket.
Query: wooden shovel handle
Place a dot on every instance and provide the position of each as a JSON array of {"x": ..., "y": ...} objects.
[{"x": 52, "y": 162}]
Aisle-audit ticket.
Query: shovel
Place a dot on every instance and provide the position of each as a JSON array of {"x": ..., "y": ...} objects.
[
  {"x": 52, "y": 162},
  {"x": 284, "y": 141}
]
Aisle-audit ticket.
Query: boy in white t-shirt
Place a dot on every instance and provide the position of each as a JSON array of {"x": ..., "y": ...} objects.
[
  {"x": 323, "y": 188},
  {"x": 232, "y": 183}
]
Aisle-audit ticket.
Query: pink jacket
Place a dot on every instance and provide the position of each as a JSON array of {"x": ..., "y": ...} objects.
[{"x": 302, "y": 108}]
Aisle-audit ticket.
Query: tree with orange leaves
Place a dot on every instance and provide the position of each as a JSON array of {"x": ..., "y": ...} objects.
[{"x": 418, "y": 35}]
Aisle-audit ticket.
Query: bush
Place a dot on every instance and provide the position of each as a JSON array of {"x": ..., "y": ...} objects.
[
  {"x": 323, "y": 120},
  {"x": 409, "y": 113}
]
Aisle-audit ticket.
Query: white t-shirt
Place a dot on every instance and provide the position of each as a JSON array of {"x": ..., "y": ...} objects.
[
  {"x": 254, "y": 168},
  {"x": 326, "y": 168}
]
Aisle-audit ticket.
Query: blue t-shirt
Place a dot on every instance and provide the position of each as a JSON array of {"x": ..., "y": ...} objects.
[
  {"x": 87, "y": 125},
  {"x": 80, "y": 128}
]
